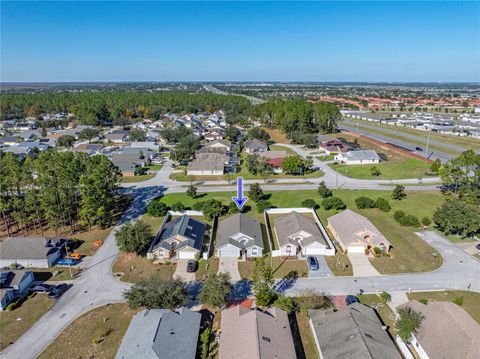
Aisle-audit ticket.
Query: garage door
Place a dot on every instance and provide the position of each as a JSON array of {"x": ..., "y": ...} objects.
[
  {"x": 314, "y": 251},
  {"x": 186, "y": 255},
  {"x": 229, "y": 252},
  {"x": 356, "y": 249}
]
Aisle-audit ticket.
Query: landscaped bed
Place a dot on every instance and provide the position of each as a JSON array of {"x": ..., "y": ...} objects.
[{"x": 96, "y": 334}]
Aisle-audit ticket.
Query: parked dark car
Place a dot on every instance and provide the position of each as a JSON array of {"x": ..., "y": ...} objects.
[
  {"x": 191, "y": 266},
  {"x": 313, "y": 263},
  {"x": 351, "y": 299},
  {"x": 41, "y": 288},
  {"x": 418, "y": 148},
  {"x": 478, "y": 246},
  {"x": 57, "y": 291}
]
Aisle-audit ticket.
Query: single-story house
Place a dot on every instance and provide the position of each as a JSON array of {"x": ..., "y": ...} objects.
[
  {"x": 354, "y": 332},
  {"x": 297, "y": 233},
  {"x": 19, "y": 151},
  {"x": 359, "y": 157},
  {"x": 238, "y": 235},
  {"x": 208, "y": 164},
  {"x": 254, "y": 334},
  {"x": 118, "y": 136},
  {"x": 36, "y": 252},
  {"x": 269, "y": 155},
  {"x": 9, "y": 140},
  {"x": 14, "y": 283},
  {"x": 220, "y": 143},
  {"x": 181, "y": 238},
  {"x": 126, "y": 167},
  {"x": 447, "y": 331},
  {"x": 151, "y": 145},
  {"x": 276, "y": 164},
  {"x": 89, "y": 148},
  {"x": 355, "y": 233},
  {"x": 255, "y": 146},
  {"x": 214, "y": 135},
  {"x": 334, "y": 145},
  {"x": 161, "y": 333}
]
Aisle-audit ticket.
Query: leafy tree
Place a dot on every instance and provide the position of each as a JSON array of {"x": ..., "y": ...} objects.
[
  {"x": 259, "y": 134},
  {"x": 408, "y": 322},
  {"x": 192, "y": 191},
  {"x": 178, "y": 207},
  {"x": 66, "y": 141},
  {"x": 138, "y": 135},
  {"x": 308, "y": 162},
  {"x": 213, "y": 208},
  {"x": 309, "y": 203},
  {"x": 399, "y": 192},
  {"x": 333, "y": 203},
  {"x": 88, "y": 134},
  {"x": 266, "y": 172},
  {"x": 134, "y": 237},
  {"x": 157, "y": 208},
  {"x": 382, "y": 204},
  {"x": 457, "y": 217},
  {"x": 256, "y": 193},
  {"x": 285, "y": 303},
  {"x": 293, "y": 164},
  {"x": 363, "y": 202},
  {"x": 323, "y": 190},
  {"x": 310, "y": 299},
  {"x": 155, "y": 292},
  {"x": 426, "y": 221},
  {"x": 258, "y": 165},
  {"x": 435, "y": 167},
  {"x": 216, "y": 289},
  {"x": 263, "y": 205},
  {"x": 263, "y": 283},
  {"x": 232, "y": 133},
  {"x": 198, "y": 206},
  {"x": 232, "y": 208},
  {"x": 397, "y": 215},
  {"x": 375, "y": 171}
]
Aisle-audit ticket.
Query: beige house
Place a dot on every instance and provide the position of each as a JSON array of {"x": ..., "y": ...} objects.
[
  {"x": 446, "y": 332},
  {"x": 355, "y": 233},
  {"x": 255, "y": 334}
]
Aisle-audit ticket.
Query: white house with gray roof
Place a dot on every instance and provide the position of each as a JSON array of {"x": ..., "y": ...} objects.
[
  {"x": 238, "y": 235},
  {"x": 360, "y": 157},
  {"x": 31, "y": 252},
  {"x": 161, "y": 333}
]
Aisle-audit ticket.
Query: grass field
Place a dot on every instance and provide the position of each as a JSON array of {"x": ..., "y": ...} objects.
[
  {"x": 136, "y": 267},
  {"x": 135, "y": 179},
  {"x": 471, "y": 300},
  {"x": 394, "y": 165},
  {"x": 16, "y": 322},
  {"x": 281, "y": 267},
  {"x": 96, "y": 334},
  {"x": 277, "y": 135},
  {"x": 409, "y": 254}
]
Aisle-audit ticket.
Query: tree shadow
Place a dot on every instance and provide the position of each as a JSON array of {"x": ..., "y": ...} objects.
[
  {"x": 287, "y": 282},
  {"x": 241, "y": 290},
  {"x": 297, "y": 339}
]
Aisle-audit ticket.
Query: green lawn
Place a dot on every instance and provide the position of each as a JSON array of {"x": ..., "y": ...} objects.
[
  {"x": 339, "y": 264},
  {"x": 409, "y": 254},
  {"x": 383, "y": 310},
  {"x": 16, "y": 322},
  {"x": 96, "y": 334},
  {"x": 471, "y": 300},
  {"x": 281, "y": 267},
  {"x": 135, "y": 179},
  {"x": 54, "y": 273},
  {"x": 206, "y": 267},
  {"x": 153, "y": 167},
  {"x": 136, "y": 267}
]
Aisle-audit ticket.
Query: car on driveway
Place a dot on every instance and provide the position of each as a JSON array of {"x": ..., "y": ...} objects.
[
  {"x": 478, "y": 246},
  {"x": 40, "y": 288},
  {"x": 191, "y": 266},
  {"x": 57, "y": 291},
  {"x": 66, "y": 262},
  {"x": 313, "y": 263},
  {"x": 351, "y": 299}
]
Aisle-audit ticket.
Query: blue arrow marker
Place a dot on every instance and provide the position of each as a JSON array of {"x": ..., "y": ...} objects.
[{"x": 240, "y": 200}]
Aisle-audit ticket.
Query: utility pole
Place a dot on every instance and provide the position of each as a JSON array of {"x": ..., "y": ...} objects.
[{"x": 428, "y": 142}]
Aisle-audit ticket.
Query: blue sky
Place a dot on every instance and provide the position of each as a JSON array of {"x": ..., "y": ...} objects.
[{"x": 248, "y": 41}]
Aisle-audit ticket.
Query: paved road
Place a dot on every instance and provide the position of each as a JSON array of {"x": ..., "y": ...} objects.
[
  {"x": 415, "y": 138},
  {"x": 433, "y": 155},
  {"x": 458, "y": 271}
]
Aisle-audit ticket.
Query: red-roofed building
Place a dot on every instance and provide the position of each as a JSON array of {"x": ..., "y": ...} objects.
[{"x": 276, "y": 164}]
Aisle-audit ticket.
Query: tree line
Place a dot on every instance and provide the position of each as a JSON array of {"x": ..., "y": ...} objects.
[{"x": 58, "y": 189}]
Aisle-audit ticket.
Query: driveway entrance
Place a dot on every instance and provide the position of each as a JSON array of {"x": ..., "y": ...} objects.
[
  {"x": 230, "y": 265},
  {"x": 361, "y": 265},
  {"x": 181, "y": 271}
]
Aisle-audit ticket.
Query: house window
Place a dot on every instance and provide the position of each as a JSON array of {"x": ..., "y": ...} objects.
[
  {"x": 289, "y": 249},
  {"x": 254, "y": 251},
  {"x": 161, "y": 254}
]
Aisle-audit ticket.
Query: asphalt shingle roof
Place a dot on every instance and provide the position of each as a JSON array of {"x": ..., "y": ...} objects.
[{"x": 239, "y": 223}]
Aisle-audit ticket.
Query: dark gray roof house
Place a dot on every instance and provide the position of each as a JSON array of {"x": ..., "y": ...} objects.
[
  {"x": 354, "y": 332},
  {"x": 255, "y": 145},
  {"x": 39, "y": 252},
  {"x": 13, "y": 284},
  {"x": 239, "y": 231},
  {"x": 161, "y": 333}
]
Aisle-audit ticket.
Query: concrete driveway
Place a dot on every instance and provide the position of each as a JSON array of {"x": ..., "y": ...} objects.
[
  {"x": 181, "y": 271},
  {"x": 361, "y": 265},
  {"x": 230, "y": 265},
  {"x": 323, "y": 270}
]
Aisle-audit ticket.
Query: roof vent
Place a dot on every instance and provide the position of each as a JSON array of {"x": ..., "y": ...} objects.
[
  {"x": 266, "y": 339},
  {"x": 384, "y": 327}
]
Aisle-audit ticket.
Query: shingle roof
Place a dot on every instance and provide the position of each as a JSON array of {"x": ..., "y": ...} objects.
[
  {"x": 292, "y": 223},
  {"x": 362, "y": 155},
  {"x": 12, "y": 278},
  {"x": 149, "y": 335},
  {"x": 255, "y": 143},
  {"x": 355, "y": 229},
  {"x": 354, "y": 332},
  {"x": 192, "y": 230},
  {"x": 15, "y": 248},
  {"x": 252, "y": 334},
  {"x": 239, "y": 223},
  {"x": 273, "y": 154},
  {"x": 447, "y": 331}
]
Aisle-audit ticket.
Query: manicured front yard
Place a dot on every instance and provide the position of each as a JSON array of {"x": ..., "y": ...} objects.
[
  {"x": 135, "y": 179},
  {"x": 135, "y": 268},
  {"x": 206, "y": 267},
  {"x": 471, "y": 300},
  {"x": 54, "y": 273},
  {"x": 409, "y": 254},
  {"x": 339, "y": 264},
  {"x": 96, "y": 334},
  {"x": 281, "y": 267},
  {"x": 16, "y": 322},
  {"x": 383, "y": 310}
]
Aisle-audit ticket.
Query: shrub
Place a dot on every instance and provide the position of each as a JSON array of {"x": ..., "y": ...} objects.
[
  {"x": 232, "y": 208},
  {"x": 285, "y": 303},
  {"x": 309, "y": 203},
  {"x": 375, "y": 171},
  {"x": 134, "y": 237},
  {"x": 406, "y": 219},
  {"x": 458, "y": 301},
  {"x": 364, "y": 202},
  {"x": 426, "y": 221},
  {"x": 178, "y": 207},
  {"x": 263, "y": 205},
  {"x": 256, "y": 192},
  {"x": 323, "y": 190},
  {"x": 198, "y": 206},
  {"x": 457, "y": 217},
  {"x": 398, "y": 215},
  {"x": 333, "y": 203},
  {"x": 382, "y": 204},
  {"x": 157, "y": 208},
  {"x": 310, "y": 299},
  {"x": 424, "y": 301},
  {"x": 399, "y": 192},
  {"x": 377, "y": 250},
  {"x": 213, "y": 208}
]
